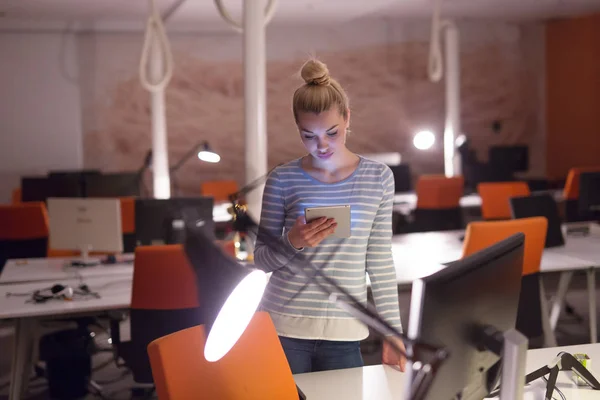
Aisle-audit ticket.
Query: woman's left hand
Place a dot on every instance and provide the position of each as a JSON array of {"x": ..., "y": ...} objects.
[{"x": 391, "y": 356}]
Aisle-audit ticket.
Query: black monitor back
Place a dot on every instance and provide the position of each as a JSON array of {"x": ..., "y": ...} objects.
[
  {"x": 540, "y": 205},
  {"x": 41, "y": 188},
  {"x": 121, "y": 184},
  {"x": 450, "y": 307},
  {"x": 510, "y": 158},
  {"x": 402, "y": 177},
  {"x": 79, "y": 173},
  {"x": 589, "y": 195},
  {"x": 154, "y": 217}
]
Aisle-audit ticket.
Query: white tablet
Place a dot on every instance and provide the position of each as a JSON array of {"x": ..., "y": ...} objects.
[{"x": 341, "y": 215}]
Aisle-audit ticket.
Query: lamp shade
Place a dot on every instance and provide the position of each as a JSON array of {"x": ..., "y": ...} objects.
[
  {"x": 207, "y": 155},
  {"x": 229, "y": 292}
]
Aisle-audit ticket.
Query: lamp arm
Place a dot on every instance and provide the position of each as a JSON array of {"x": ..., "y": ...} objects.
[
  {"x": 349, "y": 303},
  {"x": 365, "y": 315},
  {"x": 185, "y": 157},
  {"x": 370, "y": 315},
  {"x": 234, "y": 197}
]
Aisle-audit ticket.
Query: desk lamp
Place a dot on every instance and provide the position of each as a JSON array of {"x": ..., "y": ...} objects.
[
  {"x": 226, "y": 287},
  {"x": 204, "y": 153}
]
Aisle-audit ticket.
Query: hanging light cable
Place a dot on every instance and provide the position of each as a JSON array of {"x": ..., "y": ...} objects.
[
  {"x": 156, "y": 70},
  {"x": 435, "y": 68},
  {"x": 155, "y": 35},
  {"x": 269, "y": 12}
]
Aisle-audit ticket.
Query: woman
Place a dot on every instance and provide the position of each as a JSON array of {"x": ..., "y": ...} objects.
[{"x": 315, "y": 334}]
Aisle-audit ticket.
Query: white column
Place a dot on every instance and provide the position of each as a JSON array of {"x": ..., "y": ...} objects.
[
  {"x": 160, "y": 156},
  {"x": 452, "y": 127},
  {"x": 255, "y": 94}
]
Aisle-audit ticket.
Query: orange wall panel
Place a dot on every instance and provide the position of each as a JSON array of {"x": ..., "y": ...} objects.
[{"x": 572, "y": 94}]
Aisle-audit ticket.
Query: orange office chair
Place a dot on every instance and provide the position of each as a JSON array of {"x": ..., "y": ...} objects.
[
  {"x": 23, "y": 231},
  {"x": 532, "y": 318},
  {"x": 219, "y": 190},
  {"x": 128, "y": 223},
  {"x": 495, "y": 196},
  {"x": 438, "y": 205},
  {"x": 254, "y": 369},
  {"x": 571, "y": 193},
  {"x": 164, "y": 299},
  {"x": 16, "y": 196}
]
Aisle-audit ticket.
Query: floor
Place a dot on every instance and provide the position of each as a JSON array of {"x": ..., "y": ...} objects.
[{"x": 117, "y": 382}]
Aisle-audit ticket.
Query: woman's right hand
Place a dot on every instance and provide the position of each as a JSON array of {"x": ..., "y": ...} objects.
[{"x": 310, "y": 234}]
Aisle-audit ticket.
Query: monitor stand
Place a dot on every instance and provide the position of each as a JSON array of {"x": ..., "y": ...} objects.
[
  {"x": 84, "y": 260},
  {"x": 511, "y": 346},
  {"x": 514, "y": 355}
]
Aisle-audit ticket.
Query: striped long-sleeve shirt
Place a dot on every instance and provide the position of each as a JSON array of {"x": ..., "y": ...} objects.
[{"x": 301, "y": 310}]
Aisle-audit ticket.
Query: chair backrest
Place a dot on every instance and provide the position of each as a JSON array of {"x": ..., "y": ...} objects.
[
  {"x": 163, "y": 279},
  {"x": 482, "y": 234},
  {"x": 127, "y": 214},
  {"x": 23, "y": 231},
  {"x": 23, "y": 221},
  {"x": 437, "y": 192},
  {"x": 255, "y": 368},
  {"x": 164, "y": 299},
  {"x": 540, "y": 205},
  {"x": 219, "y": 190},
  {"x": 16, "y": 196},
  {"x": 495, "y": 198},
  {"x": 571, "y": 189}
]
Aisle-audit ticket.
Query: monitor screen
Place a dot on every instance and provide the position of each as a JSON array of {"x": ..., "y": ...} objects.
[
  {"x": 540, "y": 205},
  {"x": 80, "y": 173},
  {"x": 589, "y": 195},
  {"x": 123, "y": 184},
  {"x": 450, "y": 308},
  {"x": 154, "y": 218},
  {"x": 402, "y": 178},
  {"x": 511, "y": 158},
  {"x": 85, "y": 224},
  {"x": 41, "y": 188}
]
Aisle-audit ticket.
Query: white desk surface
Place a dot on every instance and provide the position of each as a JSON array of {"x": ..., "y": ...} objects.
[
  {"x": 115, "y": 293},
  {"x": 57, "y": 269},
  {"x": 470, "y": 200},
  {"x": 419, "y": 254},
  {"x": 380, "y": 382}
]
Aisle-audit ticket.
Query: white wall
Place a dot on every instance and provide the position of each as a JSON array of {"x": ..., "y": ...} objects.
[{"x": 40, "y": 111}]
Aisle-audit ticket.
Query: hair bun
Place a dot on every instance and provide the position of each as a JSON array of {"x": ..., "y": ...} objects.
[{"x": 314, "y": 72}]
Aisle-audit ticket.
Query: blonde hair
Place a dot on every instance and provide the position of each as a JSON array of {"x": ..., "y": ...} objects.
[{"x": 320, "y": 91}]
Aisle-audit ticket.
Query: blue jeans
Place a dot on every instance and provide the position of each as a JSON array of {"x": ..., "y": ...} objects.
[{"x": 320, "y": 355}]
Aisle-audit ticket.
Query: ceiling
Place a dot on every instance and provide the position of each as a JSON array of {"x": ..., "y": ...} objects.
[{"x": 203, "y": 15}]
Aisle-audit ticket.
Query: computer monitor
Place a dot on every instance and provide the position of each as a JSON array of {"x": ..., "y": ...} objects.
[
  {"x": 121, "y": 184},
  {"x": 451, "y": 308},
  {"x": 402, "y": 178},
  {"x": 85, "y": 225},
  {"x": 511, "y": 158},
  {"x": 589, "y": 195},
  {"x": 161, "y": 221},
  {"x": 42, "y": 188},
  {"x": 80, "y": 173},
  {"x": 540, "y": 205}
]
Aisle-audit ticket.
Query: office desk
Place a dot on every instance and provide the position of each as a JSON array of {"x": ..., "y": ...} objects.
[
  {"x": 418, "y": 254},
  {"x": 380, "y": 382},
  {"x": 114, "y": 291},
  {"x": 57, "y": 270},
  {"x": 406, "y": 202}
]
